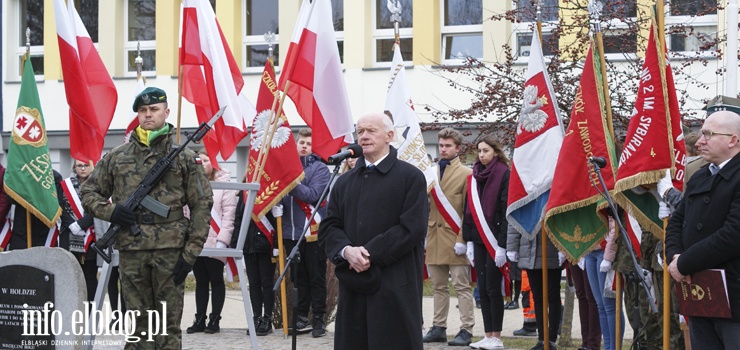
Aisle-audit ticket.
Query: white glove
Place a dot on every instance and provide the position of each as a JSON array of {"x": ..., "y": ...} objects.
[
  {"x": 660, "y": 259},
  {"x": 605, "y": 266},
  {"x": 220, "y": 244},
  {"x": 277, "y": 211},
  {"x": 76, "y": 229},
  {"x": 561, "y": 259},
  {"x": 460, "y": 248},
  {"x": 582, "y": 264},
  {"x": 471, "y": 254},
  {"x": 500, "y": 258},
  {"x": 275, "y": 252},
  {"x": 513, "y": 256},
  {"x": 664, "y": 211}
]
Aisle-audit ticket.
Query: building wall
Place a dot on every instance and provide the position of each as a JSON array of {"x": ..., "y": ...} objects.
[{"x": 366, "y": 80}]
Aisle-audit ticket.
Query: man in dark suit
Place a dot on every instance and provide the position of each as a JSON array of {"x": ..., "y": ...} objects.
[
  {"x": 374, "y": 232},
  {"x": 704, "y": 231}
]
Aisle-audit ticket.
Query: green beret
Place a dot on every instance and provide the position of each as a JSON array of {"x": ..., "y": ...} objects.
[{"x": 149, "y": 96}]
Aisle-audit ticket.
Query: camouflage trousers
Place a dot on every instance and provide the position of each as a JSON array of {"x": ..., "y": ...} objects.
[
  {"x": 148, "y": 287},
  {"x": 650, "y": 336}
]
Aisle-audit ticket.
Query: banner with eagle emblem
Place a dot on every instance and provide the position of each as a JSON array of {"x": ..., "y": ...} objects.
[
  {"x": 539, "y": 134},
  {"x": 282, "y": 169}
]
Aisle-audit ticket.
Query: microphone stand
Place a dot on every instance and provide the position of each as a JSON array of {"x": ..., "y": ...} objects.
[
  {"x": 639, "y": 273},
  {"x": 295, "y": 257}
]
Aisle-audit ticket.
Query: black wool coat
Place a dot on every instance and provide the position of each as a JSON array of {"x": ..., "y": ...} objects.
[
  {"x": 386, "y": 211},
  {"x": 705, "y": 228}
]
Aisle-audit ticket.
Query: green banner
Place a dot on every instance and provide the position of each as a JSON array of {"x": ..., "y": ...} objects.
[{"x": 29, "y": 179}]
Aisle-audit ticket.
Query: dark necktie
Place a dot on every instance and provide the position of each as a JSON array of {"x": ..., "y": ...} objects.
[{"x": 371, "y": 167}]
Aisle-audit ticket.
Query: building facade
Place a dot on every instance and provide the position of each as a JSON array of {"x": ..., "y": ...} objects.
[{"x": 433, "y": 33}]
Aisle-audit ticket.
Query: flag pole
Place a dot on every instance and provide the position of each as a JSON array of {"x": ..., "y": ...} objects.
[
  {"x": 270, "y": 39},
  {"x": 23, "y": 62},
  {"x": 545, "y": 289},
  {"x": 179, "y": 101},
  {"x": 660, "y": 19},
  {"x": 271, "y": 124}
]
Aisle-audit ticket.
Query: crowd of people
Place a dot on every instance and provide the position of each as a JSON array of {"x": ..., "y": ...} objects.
[{"x": 381, "y": 229}]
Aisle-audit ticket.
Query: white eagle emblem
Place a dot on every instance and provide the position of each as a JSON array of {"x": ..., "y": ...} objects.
[
  {"x": 282, "y": 133},
  {"x": 531, "y": 118}
]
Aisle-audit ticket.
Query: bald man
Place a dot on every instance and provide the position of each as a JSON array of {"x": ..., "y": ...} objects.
[
  {"x": 374, "y": 233},
  {"x": 704, "y": 231}
]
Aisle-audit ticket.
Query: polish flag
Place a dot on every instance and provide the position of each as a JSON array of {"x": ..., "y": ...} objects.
[
  {"x": 314, "y": 70},
  {"x": 211, "y": 79},
  {"x": 134, "y": 116},
  {"x": 91, "y": 95}
]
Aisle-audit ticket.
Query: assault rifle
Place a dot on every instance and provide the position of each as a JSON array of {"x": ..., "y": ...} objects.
[{"x": 140, "y": 197}]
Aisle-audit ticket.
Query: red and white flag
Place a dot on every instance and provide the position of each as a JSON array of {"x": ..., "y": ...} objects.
[
  {"x": 52, "y": 238},
  {"x": 314, "y": 70},
  {"x": 134, "y": 116},
  {"x": 539, "y": 135},
  {"x": 211, "y": 79},
  {"x": 91, "y": 94}
]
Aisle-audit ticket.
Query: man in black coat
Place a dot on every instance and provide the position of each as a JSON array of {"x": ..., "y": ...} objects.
[
  {"x": 704, "y": 231},
  {"x": 374, "y": 232}
]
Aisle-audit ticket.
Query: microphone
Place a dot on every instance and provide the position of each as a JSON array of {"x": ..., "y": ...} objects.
[
  {"x": 353, "y": 151},
  {"x": 599, "y": 162}
]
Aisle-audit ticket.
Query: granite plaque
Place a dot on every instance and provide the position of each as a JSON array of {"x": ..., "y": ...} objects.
[{"x": 24, "y": 293}]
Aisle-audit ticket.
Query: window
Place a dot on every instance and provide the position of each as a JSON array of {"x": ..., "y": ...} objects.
[
  {"x": 337, "y": 11},
  {"x": 693, "y": 8},
  {"x": 383, "y": 30},
  {"x": 462, "y": 30},
  {"x": 620, "y": 42},
  {"x": 698, "y": 40},
  {"x": 140, "y": 30},
  {"x": 620, "y": 9},
  {"x": 526, "y": 12},
  {"x": 88, "y": 11},
  {"x": 260, "y": 17},
  {"x": 31, "y": 16},
  {"x": 692, "y": 27},
  {"x": 524, "y": 41}
]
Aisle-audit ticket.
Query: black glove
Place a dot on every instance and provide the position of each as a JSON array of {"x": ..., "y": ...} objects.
[
  {"x": 181, "y": 271},
  {"x": 85, "y": 222},
  {"x": 673, "y": 197},
  {"x": 123, "y": 216}
]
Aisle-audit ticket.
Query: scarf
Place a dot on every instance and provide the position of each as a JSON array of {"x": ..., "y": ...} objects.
[{"x": 489, "y": 186}]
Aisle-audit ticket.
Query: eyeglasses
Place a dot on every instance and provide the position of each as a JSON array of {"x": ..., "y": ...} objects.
[
  {"x": 708, "y": 134},
  {"x": 82, "y": 166}
]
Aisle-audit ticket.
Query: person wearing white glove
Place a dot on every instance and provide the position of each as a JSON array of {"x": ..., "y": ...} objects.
[
  {"x": 488, "y": 214},
  {"x": 561, "y": 258},
  {"x": 470, "y": 254},
  {"x": 277, "y": 211},
  {"x": 513, "y": 256},
  {"x": 76, "y": 230},
  {"x": 460, "y": 248},
  {"x": 663, "y": 210},
  {"x": 445, "y": 255},
  {"x": 605, "y": 266}
]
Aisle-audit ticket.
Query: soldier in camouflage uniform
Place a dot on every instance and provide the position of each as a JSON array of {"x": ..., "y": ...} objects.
[
  {"x": 154, "y": 264},
  {"x": 651, "y": 336}
]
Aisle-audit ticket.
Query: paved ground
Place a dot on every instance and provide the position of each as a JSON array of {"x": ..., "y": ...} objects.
[{"x": 233, "y": 329}]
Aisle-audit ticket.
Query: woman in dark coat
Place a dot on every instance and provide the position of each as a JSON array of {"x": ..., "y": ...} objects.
[{"x": 491, "y": 177}]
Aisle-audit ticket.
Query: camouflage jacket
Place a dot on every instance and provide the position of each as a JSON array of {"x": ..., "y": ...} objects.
[{"x": 119, "y": 173}]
